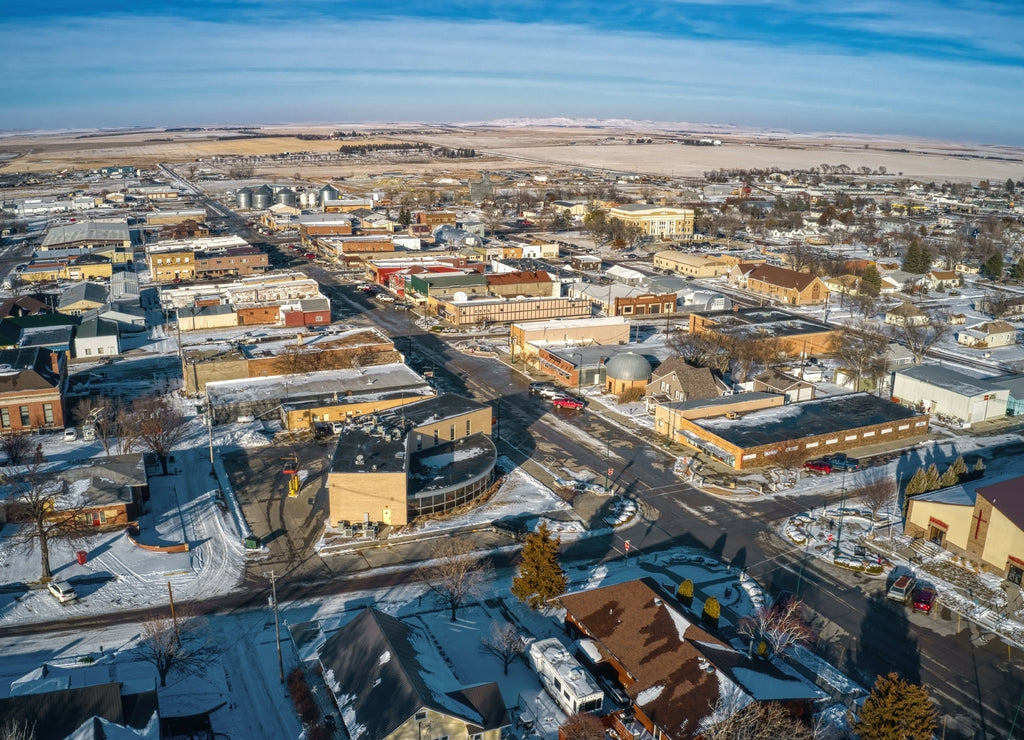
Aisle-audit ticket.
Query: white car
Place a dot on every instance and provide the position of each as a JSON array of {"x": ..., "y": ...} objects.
[
  {"x": 70, "y": 435},
  {"x": 62, "y": 591}
]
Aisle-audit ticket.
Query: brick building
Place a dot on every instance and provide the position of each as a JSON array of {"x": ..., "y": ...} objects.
[{"x": 31, "y": 389}]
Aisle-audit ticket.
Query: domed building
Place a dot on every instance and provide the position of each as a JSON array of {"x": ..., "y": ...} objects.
[{"x": 625, "y": 372}]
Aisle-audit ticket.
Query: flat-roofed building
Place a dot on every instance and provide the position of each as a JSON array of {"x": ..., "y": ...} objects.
[
  {"x": 661, "y": 221},
  {"x": 508, "y": 310},
  {"x": 798, "y": 336},
  {"x": 694, "y": 265},
  {"x": 751, "y": 439},
  {"x": 527, "y": 338}
]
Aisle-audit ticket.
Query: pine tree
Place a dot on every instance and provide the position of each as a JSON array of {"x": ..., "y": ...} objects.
[
  {"x": 712, "y": 611},
  {"x": 540, "y": 574},
  {"x": 949, "y": 478},
  {"x": 931, "y": 478},
  {"x": 870, "y": 281},
  {"x": 960, "y": 467},
  {"x": 993, "y": 267},
  {"x": 896, "y": 710},
  {"x": 917, "y": 483},
  {"x": 979, "y": 468},
  {"x": 1018, "y": 270}
]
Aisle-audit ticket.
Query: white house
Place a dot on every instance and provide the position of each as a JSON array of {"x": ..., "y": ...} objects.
[
  {"x": 987, "y": 335},
  {"x": 97, "y": 337}
]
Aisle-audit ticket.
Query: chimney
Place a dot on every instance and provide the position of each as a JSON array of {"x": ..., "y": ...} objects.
[{"x": 55, "y": 362}]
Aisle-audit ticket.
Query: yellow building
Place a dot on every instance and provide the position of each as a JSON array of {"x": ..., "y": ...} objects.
[
  {"x": 172, "y": 264},
  {"x": 423, "y": 459},
  {"x": 662, "y": 221},
  {"x": 983, "y": 523},
  {"x": 694, "y": 265}
]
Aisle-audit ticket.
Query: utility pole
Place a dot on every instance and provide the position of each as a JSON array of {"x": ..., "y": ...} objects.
[
  {"x": 174, "y": 617},
  {"x": 277, "y": 623}
]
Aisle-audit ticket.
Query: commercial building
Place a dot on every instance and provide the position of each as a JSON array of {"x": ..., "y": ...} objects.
[
  {"x": 31, "y": 389},
  {"x": 526, "y": 339},
  {"x": 421, "y": 459},
  {"x": 797, "y": 336},
  {"x": 780, "y": 284},
  {"x": 949, "y": 394},
  {"x": 694, "y": 265},
  {"x": 750, "y": 439},
  {"x": 505, "y": 311},
  {"x": 661, "y": 221}
]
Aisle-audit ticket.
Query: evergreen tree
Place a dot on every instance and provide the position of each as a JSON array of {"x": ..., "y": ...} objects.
[
  {"x": 1017, "y": 273},
  {"x": 916, "y": 484},
  {"x": 960, "y": 467},
  {"x": 979, "y": 468},
  {"x": 712, "y": 611},
  {"x": 949, "y": 478},
  {"x": 993, "y": 267},
  {"x": 932, "y": 478},
  {"x": 540, "y": 574},
  {"x": 870, "y": 281},
  {"x": 917, "y": 259},
  {"x": 896, "y": 710}
]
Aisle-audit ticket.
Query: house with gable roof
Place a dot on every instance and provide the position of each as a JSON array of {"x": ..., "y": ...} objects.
[
  {"x": 677, "y": 380},
  {"x": 679, "y": 677},
  {"x": 390, "y": 684}
]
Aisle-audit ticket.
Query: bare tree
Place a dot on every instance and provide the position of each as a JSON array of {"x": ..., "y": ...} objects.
[
  {"x": 754, "y": 721},
  {"x": 15, "y": 447},
  {"x": 920, "y": 338},
  {"x": 160, "y": 425},
  {"x": 15, "y": 728},
  {"x": 504, "y": 643},
  {"x": 181, "y": 644},
  {"x": 861, "y": 348},
  {"x": 877, "y": 491},
  {"x": 582, "y": 726},
  {"x": 46, "y": 513},
  {"x": 454, "y": 573},
  {"x": 105, "y": 416},
  {"x": 701, "y": 350},
  {"x": 779, "y": 627}
]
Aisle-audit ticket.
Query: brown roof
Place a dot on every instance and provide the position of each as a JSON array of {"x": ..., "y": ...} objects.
[
  {"x": 513, "y": 278},
  {"x": 905, "y": 309},
  {"x": 696, "y": 382},
  {"x": 1008, "y": 497},
  {"x": 23, "y": 305},
  {"x": 996, "y": 327},
  {"x": 679, "y": 668},
  {"x": 780, "y": 381},
  {"x": 30, "y": 370},
  {"x": 782, "y": 277}
]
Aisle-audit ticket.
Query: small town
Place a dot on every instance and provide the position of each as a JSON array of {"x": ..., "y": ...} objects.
[{"x": 530, "y": 452}]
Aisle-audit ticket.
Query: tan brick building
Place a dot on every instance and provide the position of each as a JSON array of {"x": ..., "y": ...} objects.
[{"x": 661, "y": 221}]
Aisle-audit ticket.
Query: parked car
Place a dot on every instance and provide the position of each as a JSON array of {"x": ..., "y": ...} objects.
[
  {"x": 538, "y": 387},
  {"x": 923, "y": 599},
  {"x": 70, "y": 434},
  {"x": 337, "y": 427},
  {"x": 902, "y": 588},
  {"x": 550, "y": 392},
  {"x": 841, "y": 461},
  {"x": 62, "y": 591},
  {"x": 818, "y": 466},
  {"x": 565, "y": 402}
]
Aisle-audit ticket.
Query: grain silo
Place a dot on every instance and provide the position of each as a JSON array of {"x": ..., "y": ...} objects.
[
  {"x": 262, "y": 197},
  {"x": 243, "y": 199},
  {"x": 285, "y": 196}
]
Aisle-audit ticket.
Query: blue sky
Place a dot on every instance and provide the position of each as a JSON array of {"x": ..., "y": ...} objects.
[{"x": 944, "y": 69}]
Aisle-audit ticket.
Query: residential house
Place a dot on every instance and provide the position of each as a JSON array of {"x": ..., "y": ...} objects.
[
  {"x": 97, "y": 337},
  {"x": 678, "y": 677},
  {"x": 776, "y": 381},
  {"x": 81, "y": 297},
  {"x": 780, "y": 284},
  {"x": 390, "y": 684},
  {"x": 906, "y": 314},
  {"x": 942, "y": 279},
  {"x": 677, "y": 380},
  {"x": 988, "y": 335},
  {"x": 896, "y": 281},
  {"x": 31, "y": 389}
]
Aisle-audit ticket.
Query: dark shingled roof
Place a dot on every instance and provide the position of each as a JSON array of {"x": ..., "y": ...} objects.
[
  {"x": 380, "y": 680},
  {"x": 57, "y": 714}
]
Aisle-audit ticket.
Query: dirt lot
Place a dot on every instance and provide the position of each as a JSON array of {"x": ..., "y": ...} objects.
[{"x": 533, "y": 149}]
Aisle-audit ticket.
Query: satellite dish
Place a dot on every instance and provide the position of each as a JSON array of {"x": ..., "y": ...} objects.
[{"x": 460, "y": 297}]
